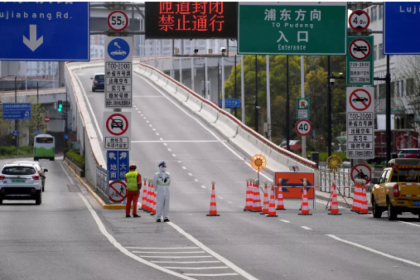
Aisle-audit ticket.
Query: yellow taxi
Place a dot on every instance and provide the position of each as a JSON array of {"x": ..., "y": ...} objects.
[{"x": 398, "y": 189}]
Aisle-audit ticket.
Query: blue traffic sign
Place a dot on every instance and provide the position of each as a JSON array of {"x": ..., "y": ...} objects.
[
  {"x": 401, "y": 25},
  {"x": 66, "y": 136},
  {"x": 231, "y": 102},
  {"x": 118, "y": 49},
  {"x": 45, "y": 31},
  {"x": 117, "y": 164},
  {"x": 17, "y": 111},
  {"x": 15, "y": 133}
]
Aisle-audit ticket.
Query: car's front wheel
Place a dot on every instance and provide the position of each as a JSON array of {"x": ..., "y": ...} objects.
[
  {"x": 377, "y": 211},
  {"x": 38, "y": 199},
  {"x": 93, "y": 89},
  {"x": 392, "y": 213}
]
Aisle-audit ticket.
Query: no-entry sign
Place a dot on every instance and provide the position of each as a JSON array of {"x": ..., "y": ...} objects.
[
  {"x": 46, "y": 119},
  {"x": 361, "y": 171},
  {"x": 360, "y": 99},
  {"x": 359, "y": 49},
  {"x": 359, "y": 61},
  {"x": 117, "y": 124}
]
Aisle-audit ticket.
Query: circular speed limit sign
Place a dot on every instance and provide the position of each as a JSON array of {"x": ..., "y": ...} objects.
[
  {"x": 303, "y": 127},
  {"x": 117, "y": 21}
]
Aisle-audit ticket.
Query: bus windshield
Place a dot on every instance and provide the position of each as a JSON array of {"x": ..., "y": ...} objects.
[{"x": 44, "y": 140}]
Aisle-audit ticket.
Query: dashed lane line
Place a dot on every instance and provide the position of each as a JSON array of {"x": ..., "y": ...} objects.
[
  {"x": 285, "y": 221},
  {"x": 307, "y": 228},
  {"x": 164, "y": 248},
  {"x": 189, "y": 252},
  {"x": 195, "y": 262},
  {"x": 197, "y": 268},
  {"x": 374, "y": 251},
  {"x": 211, "y": 275},
  {"x": 416, "y": 225}
]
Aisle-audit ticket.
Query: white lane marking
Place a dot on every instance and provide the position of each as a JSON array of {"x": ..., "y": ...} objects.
[
  {"x": 306, "y": 228},
  {"x": 186, "y": 262},
  {"x": 165, "y": 144},
  {"x": 196, "y": 268},
  {"x": 154, "y": 129},
  {"x": 179, "y": 161},
  {"x": 416, "y": 225},
  {"x": 214, "y": 254},
  {"x": 178, "y": 141},
  {"x": 123, "y": 250},
  {"x": 174, "y": 155},
  {"x": 190, "y": 174},
  {"x": 163, "y": 248},
  {"x": 139, "y": 112},
  {"x": 184, "y": 167},
  {"x": 220, "y": 197},
  {"x": 211, "y": 275},
  {"x": 202, "y": 125},
  {"x": 146, "y": 96},
  {"x": 176, "y": 257},
  {"x": 374, "y": 251},
  {"x": 229, "y": 201},
  {"x": 67, "y": 174},
  {"x": 285, "y": 221},
  {"x": 141, "y": 252},
  {"x": 196, "y": 180},
  {"x": 169, "y": 150},
  {"x": 203, "y": 187},
  {"x": 90, "y": 107},
  {"x": 157, "y": 134}
]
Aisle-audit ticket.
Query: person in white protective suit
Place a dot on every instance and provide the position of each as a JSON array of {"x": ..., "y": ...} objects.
[{"x": 161, "y": 182}]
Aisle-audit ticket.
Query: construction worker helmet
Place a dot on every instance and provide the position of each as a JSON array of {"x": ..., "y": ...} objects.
[{"x": 133, "y": 167}]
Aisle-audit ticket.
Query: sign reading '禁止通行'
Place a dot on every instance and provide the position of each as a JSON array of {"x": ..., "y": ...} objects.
[{"x": 292, "y": 28}]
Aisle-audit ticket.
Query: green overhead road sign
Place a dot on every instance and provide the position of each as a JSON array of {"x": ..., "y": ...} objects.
[
  {"x": 302, "y": 108},
  {"x": 292, "y": 28},
  {"x": 359, "y": 61}
]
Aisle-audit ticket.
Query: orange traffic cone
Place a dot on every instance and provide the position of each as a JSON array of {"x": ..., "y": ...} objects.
[
  {"x": 265, "y": 203},
  {"x": 213, "y": 208},
  {"x": 153, "y": 201},
  {"x": 249, "y": 199},
  {"x": 356, "y": 202},
  {"x": 334, "y": 203},
  {"x": 143, "y": 198},
  {"x": 272, "y": 206},
  {"x": 305, "y": 205},
  {"x": 257, "y": 198},
  {"x": 280, "y": 203},
  {"x": 149, "y": 197},
  {"x": 364, "y": 203}
]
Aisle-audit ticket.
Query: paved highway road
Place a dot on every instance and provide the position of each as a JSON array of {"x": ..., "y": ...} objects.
[{"x": 69, "y": 235}]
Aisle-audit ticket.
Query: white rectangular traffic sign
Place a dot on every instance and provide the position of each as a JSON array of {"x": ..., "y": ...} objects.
[
  {"x": 360, "y": 118},
  {"x": 117, "y": 143},
  {"x": 117, "y": 124},
  {"x": 118, "y": 72}
]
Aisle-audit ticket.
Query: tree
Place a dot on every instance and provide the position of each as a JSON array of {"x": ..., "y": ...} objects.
[{"x": 37, "y": 121}]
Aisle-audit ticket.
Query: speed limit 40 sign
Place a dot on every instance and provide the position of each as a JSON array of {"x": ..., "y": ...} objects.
[
  {"x": 303, "y": 127},
  {"x": 117, "y": 21}
]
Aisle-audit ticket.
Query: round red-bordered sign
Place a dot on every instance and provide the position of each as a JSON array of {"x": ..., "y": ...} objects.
[
  {"x": 361, "y": 171},
  {"x": 356, "y": 99},
  {"x": 303, "y": 127},
  {"x": 117, "y": 191},
  {"x": 117, "y": 21},
  {"x": 47, "y": 119},
  {"x": 359, "y": 20},
  {"x": 359, "y": 49},
  {"x": 117, "y": 124}
]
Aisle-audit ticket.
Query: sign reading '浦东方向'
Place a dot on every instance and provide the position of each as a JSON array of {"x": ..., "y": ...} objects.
[
  {"x": 292, "y": 28},
  {"x": 191, "y": 20}
]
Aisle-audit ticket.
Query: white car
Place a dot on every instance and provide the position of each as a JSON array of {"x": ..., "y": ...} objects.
[
  {"x": 20, "y": 181},
  {"x": 119, "y": 52},
  {"x": 38, "y": 167}
]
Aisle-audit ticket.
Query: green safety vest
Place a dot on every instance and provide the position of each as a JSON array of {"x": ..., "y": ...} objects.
[{"x": 132, "y": 184}]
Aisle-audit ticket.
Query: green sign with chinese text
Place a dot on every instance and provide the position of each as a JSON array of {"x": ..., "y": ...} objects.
[
  {"x": 359, "y": 61},
  {"x": 318, "y": 28}
]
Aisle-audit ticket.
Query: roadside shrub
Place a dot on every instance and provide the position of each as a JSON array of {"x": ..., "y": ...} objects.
[{"x": 78, "y": 160}]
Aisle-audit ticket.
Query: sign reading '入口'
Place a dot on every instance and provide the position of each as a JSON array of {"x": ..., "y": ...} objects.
[
  {"x": 191, "y": 20},
  {"x": 318, "y": 28}
]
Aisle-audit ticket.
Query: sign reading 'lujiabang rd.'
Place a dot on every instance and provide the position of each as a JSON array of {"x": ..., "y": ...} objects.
[{"x": 292, "y": 28}]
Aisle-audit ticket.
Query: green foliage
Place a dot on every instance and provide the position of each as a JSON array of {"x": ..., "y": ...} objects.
[
  {"x": 76, "y": 159},
  {"x": 12, "y": 151},
  {"x": 315, "y": 89}
]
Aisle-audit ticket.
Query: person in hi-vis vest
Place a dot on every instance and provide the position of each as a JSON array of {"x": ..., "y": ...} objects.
[
  {"x": 133, "y": 180},
  {"x": 161, "y": 182}
]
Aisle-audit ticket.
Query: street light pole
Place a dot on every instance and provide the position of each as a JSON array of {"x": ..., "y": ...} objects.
[
  {"x": 256, "y": 94},
  {"x": 388, "y": 111},
  {"x": 329, "y": 107},
  {"x": 16, "y": 121},
  {"x": 287, "y": 105}
]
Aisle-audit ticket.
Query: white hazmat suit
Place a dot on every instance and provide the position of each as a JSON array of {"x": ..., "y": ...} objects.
[{"x": 161, "y": 182}]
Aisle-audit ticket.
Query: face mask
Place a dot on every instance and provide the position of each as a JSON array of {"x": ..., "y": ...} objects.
[{"x": 162, "y": 169}]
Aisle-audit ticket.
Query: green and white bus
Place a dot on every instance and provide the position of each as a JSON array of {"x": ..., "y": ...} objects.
[{"x": 44, "y": 147}]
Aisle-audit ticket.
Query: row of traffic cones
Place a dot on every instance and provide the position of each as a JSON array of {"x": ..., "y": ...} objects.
[
  {"x": 360, "y": 203},
  {"x": 148, "y": 201}
]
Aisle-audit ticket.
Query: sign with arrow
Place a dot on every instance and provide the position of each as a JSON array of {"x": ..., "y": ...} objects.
[
  {"x": 52, "y": 31},
  {"x": 231, "y": 102},
  {"x": 292, "y": 184},
  {"x": 117, "y": 164}
]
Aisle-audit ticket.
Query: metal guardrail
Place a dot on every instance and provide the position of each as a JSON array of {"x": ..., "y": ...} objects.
[{"x": 342, "y": 177}]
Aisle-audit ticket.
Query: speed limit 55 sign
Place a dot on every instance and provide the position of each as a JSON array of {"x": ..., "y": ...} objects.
[
  {"x": 303, "y": 127},
  {"x": 117, "y": 21}
]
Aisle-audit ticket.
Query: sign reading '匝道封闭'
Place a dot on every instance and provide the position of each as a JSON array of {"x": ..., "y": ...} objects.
[
  {"x": 311, "y": 28},
  {"x": 191, "y": 20}
]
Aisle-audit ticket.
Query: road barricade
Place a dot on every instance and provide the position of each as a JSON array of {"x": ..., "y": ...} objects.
[{"x": 292, "y": 185}]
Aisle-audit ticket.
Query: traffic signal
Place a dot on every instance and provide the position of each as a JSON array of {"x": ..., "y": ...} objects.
[{"x": 60, "y": 106}]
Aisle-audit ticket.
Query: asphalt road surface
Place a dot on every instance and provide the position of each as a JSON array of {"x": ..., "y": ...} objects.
[{"x": 70, "y": 236}]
